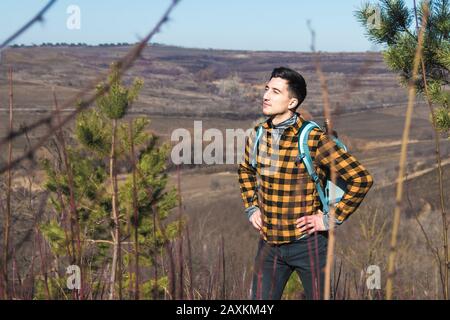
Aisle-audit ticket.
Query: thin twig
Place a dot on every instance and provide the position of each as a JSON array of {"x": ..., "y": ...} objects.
[
  {"x": 39, "y": 17},
  {"x": 327, "y": 114},
  {"x": 122, "y": 65},
  {"x": 74, "y": 219},
  {"x": 191, "y": 276},
  {"x": 135, "y": 216},
  {"x": 7, "y": 222},
  {"x": 403, "y": 155},
  {"x": 439, "y": 173},
  {"x": 180, "y": 248}
]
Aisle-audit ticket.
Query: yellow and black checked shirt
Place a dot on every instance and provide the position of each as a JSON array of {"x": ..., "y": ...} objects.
[{"x": 283, "y": 189}]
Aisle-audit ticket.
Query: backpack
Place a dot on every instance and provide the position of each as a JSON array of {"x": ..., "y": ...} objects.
[{"x": 335, "y": 189}]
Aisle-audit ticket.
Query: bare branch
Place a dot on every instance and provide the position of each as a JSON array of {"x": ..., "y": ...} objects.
[
  {"x": 37, "y": 18},
  {"x": 122, "y": 65}
]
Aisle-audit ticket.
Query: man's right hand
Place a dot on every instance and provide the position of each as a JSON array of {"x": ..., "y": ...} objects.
[{"x": 256, "y": 220}]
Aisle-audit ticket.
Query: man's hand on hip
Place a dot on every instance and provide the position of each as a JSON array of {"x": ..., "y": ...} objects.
[{"x": 311, "y": 223}]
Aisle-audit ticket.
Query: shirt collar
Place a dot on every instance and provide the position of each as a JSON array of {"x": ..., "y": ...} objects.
[{"x": 295, "y": 126}]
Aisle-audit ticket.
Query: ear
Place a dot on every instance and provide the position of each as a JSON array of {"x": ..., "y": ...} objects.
[{"x": 293, "y": 103}]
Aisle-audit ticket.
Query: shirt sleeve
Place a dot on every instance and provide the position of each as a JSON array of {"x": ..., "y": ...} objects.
[
  {"x": 250, "y": 211},
  {"x": 357, "y": 178},
  {"x": 247, "y": 178},
  {"x": 326, "y": 221}
]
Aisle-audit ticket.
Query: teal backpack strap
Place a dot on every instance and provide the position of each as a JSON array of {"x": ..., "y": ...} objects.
[
  {"x": 254, "y": 154},
  {"x": 340, "y": 144},
  {"x": 305, "y": 156}
]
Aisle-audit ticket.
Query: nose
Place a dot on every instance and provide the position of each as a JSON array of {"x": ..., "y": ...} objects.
[{"x": 266, "y": 95}]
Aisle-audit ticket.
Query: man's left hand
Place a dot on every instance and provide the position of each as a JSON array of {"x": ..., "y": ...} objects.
[{"x": 311, "y": 223}]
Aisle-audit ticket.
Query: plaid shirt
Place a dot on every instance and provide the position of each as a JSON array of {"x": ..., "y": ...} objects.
[{"x": 283, "y": 189}]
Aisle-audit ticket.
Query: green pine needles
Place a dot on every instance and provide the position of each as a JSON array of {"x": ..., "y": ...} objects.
[
  {"x": 99, "y": 157},
  {"x": 395, "y": 27}
]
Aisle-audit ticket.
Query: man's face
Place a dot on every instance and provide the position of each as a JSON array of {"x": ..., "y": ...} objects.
[{"x": 276, "y": 100}]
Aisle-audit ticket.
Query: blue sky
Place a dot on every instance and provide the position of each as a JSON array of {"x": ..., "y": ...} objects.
[{"x": 278, "y": 25}]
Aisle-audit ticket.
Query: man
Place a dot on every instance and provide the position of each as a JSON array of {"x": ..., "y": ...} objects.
[{"x": 280, "y": 197}]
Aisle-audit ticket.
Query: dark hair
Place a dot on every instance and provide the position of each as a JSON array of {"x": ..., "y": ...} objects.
[{"x": 296, "y": 83}]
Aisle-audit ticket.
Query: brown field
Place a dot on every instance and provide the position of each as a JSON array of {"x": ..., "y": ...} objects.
[{"x": 183, "y": 85}]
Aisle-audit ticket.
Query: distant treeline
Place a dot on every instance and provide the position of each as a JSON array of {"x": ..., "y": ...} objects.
[{"x": 79, "y": 44}]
